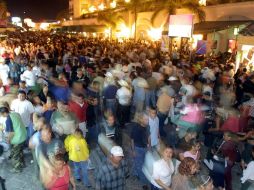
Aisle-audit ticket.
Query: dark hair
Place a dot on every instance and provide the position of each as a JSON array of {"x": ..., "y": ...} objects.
[
  {"x": 81, "y": 95},
  {"x": 4, "y": 110},
  {"x": 59, "y": 157},
  {"x": 22, "y": 92},
  {"x": 153, "y": 108},
  {"x": 79, "y": 131},
  {"x": 166, "y": 145},
  {"x": 194, "y": 142},
  {"x": 63, "y": 102},
  {"x": 22, "y": 81}
]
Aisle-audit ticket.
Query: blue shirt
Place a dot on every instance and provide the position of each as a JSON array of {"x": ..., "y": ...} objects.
[
  {"x": 60, "y": 93},
  {"x": 109, "y": 92},
  {"x": 154, "y": 130},
  {"x": 139, "y": 95}
]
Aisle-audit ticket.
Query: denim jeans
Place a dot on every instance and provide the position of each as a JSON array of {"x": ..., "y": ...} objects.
[
  {"x": 92, "y": 134},
  {"x": 80, "y": 172},
  {"x": 29, "y": 132},
  {"x": 150, "y": 98},
  {"x": 162, "y": 117},
  {"x": 138, "y": 163},
  {"x": 154, "y": 187}
]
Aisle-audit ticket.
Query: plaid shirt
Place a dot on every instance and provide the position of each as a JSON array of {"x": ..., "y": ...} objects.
[
  {"x": 250, "y": 103},
  {"x": 111, "y": 178}
]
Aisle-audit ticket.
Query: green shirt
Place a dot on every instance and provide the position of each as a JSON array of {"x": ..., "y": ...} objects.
[{"x": 19, "y": 129}]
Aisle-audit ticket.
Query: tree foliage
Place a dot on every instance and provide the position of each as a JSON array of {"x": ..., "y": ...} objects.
[
  {"x": 170, "y": 6},
  {"x": 110, "y": 19}
]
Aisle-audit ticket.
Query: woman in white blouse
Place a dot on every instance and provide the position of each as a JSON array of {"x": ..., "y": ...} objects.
[
  {"x": 163, "y": 169},
  {"x": 248, "y": 175}
]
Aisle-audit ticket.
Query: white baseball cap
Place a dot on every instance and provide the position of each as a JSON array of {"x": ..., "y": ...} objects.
[
  {"x": 172, "y": 78},
  {"x": 116, "y": 151}
]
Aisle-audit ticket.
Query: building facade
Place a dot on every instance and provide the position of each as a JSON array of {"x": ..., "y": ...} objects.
[{"x": 224, "y": 12}]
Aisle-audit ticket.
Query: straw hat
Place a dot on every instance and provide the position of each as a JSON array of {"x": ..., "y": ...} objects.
[
  {"x": 123, "y": 83},
  {"x": 109, "y": 74},
  {"x": 142, "y": 84}
]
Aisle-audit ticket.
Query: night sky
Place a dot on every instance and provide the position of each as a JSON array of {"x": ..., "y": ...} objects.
[{"x": 38, "y": 10}]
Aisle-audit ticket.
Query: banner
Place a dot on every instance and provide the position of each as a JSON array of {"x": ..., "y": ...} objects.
[
  {"x": 180, "y": 26},
  {"x": 201, "y": 47}
]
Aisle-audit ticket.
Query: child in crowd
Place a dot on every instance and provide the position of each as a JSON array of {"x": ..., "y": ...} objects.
[
  {"x": 49, "y": 108},
  {"x": 22, "y": 86},
  {"x": 194, "y": 151},
  {"x": 76, "y": 146},
  {"x": 154, "y": 127},
  {"x": 37, "y": 103}
]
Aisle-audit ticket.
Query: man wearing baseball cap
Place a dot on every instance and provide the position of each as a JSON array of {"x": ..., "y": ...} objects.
[{"x": 113, "y": 173}]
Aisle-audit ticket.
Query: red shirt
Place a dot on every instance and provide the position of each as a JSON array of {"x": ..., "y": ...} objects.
[
  {"x": 62, "y": 183},
  {"x": 229, "y": 150},
  {"x": 78, "y": 110}
]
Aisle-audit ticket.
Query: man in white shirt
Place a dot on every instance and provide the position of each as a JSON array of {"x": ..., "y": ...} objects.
[
  {"x": 26, "y": 109},
  {"x": 29, "y": 77},
  {"x": 248, "y": 174},
  {"x": 4, "y": 72},
  {"x": 36, "y": 70}
]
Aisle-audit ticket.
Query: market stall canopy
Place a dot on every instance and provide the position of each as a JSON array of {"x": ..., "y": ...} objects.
[
  {"x": 248, "y": 30},
  {"x": 214, "y": 26}
]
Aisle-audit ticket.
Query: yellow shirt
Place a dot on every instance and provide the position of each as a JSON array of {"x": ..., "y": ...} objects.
[{"x": 77, "y": 148}]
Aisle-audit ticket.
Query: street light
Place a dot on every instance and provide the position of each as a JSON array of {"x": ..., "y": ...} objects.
[
  {"x": 92, "y": 9},
  {"x": 202, "y": 2},
  {"x": 113, "y": 4},
  {"x": 101, "y": 7},
  {"x": 155, "y": 33},
  {"x": 127, "y": 1}
]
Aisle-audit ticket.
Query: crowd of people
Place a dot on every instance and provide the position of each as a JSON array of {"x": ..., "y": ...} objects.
[{"x": 187, "y": 122}]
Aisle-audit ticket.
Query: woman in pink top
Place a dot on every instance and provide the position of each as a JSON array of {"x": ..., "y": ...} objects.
[
  {"x": 194, "y": 152},
  {"x": 62, "y": 175},
  {"x": 192, "y": 114}
]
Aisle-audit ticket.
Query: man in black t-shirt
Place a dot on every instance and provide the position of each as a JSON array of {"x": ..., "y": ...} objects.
[{"x": 139, "y": 143}]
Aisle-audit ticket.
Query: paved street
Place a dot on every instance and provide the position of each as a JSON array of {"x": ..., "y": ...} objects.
[{"x": 28, "y": 181}]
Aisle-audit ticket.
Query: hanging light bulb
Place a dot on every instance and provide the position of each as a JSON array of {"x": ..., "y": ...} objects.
[
  {"x": 101, "y": 7},
  {"x": 113, "y": 4}
]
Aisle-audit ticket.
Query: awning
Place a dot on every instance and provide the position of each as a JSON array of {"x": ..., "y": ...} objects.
[
  {"x": 84, "y": 28},
  {"x": 248, "y": 30},
  {"x": 214, "y": 26}
]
